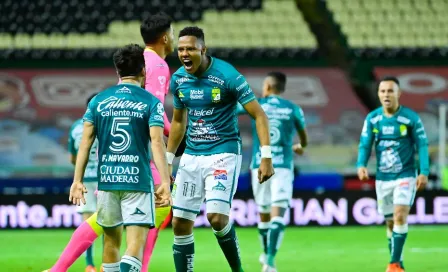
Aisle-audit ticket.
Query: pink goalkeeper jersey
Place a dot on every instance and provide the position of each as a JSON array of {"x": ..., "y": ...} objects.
[{"x": 157, "y": 80}]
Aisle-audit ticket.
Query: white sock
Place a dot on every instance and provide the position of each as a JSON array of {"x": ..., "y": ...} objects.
[
  {"x": 132, "y": 261},
  {"x": 111, "y": 267},
  {"x": 224, "y": 231},
  {"x": 401, "y": 229}
]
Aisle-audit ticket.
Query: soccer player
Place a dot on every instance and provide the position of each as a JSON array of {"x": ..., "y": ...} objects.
[
  {"x": 273, "y": 198},
  {"x": 208, "y": 90},
  {"x": 397, "y": 133},
  {"x": 158, "y": 35},
  {"x": 124, "y": 117},
  {"x": 90, "y": 178}
]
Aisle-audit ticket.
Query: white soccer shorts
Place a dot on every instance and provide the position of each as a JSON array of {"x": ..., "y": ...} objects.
[
  {"x": 90, "y": 206},
  {"x": 276, "y": 190},
  {"x": 398, "y": 192},
  {"x": 213, "y": 178},
  {"x": 126, "y": 208}
]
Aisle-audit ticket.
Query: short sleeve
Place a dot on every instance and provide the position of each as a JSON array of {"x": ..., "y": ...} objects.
[
  {"x": 237, "y": 83},
  {"x": 89, "y": 114},
  {"x": 177, "y": 95},
  {"x": 156, "y": 115},
  {"x": 299, "y": 118}
]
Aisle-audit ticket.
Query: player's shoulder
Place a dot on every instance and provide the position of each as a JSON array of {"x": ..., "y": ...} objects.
[
  {"x": 224, "y": 69},
  {"x": 375, "y": 113},
  {"x": 154, "y": 61},
  {"x": 407, "y": 115}
]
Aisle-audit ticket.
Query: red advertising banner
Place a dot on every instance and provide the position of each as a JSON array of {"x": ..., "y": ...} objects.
[
  {"x": 37, "y": 108},
  {"x": 421, "y": 86}
]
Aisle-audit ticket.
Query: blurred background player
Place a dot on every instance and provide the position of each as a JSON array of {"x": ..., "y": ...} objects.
[
  {"x": 157, "y": 33},
  {"x": 397, "y": 133},
  {"x": 90, "y": 178},
  {"x": 273, "y": 198},
  {"x": 125, "y": 117},
  {"x": 208, "y": 90}
]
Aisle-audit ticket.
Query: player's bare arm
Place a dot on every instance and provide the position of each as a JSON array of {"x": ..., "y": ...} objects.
[
  {"x": 158, "y": 150},
  {"x": 299, "y": 148},
  {"x": 254, "y": 109},
  {"x": 78, "y": 189},
  {"x": 177, "y": 132}
]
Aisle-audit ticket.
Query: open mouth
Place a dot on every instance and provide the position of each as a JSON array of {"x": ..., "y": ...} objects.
[
  {"x": 387, "y": 101},
  {"x": 188, "y": 64}
]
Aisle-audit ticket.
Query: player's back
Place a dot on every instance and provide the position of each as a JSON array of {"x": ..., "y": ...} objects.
[
  {"x": 157, "y": 75},
  {"x": 74, "y": 140},
  {"x": 211, "y": 101},
  {"x": 122, "y": 115},
  {"x": 285, "y": 118},
  {"x": 394, "y": 139}
]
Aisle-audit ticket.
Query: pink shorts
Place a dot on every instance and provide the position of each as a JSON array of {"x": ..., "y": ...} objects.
[{"x": 155, "y": 174}]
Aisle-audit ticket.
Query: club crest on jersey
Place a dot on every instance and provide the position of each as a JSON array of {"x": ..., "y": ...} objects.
[
  {"x": 216, "y": 95},
  {"x": 403, "y": 130}
]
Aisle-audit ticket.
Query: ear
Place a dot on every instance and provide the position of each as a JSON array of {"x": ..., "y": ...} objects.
[
  {"x": 165, "y": 38},
  {"x": 204, "y": 50}
]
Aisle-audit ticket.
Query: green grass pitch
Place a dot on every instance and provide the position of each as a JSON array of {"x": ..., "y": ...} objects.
[{"x": 304, "y": 249}]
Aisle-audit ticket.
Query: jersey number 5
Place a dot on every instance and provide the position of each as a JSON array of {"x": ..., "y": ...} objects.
[{"x": 119, "y": 132}]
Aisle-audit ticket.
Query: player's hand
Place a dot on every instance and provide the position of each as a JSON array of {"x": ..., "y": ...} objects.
[
  {"x": 266, "y": 170},
  {"x": 77, "y": 191},
  {"x": 363, "y": 174},
  {"x": 298, "y": 149},
  {"x": 422, "y": 180},
  {"x": 163, "y": 195}
]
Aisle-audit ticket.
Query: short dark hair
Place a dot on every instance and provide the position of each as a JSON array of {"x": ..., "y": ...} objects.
[
  {"x": 279, "y": 81},
  {"x": 153, "y": 27},
  {"x": 193, "y": 31},
  {"x": 129, "y": 60},
  {"x": 390, "y": 78},
  {"x": 90, "y": 98}
]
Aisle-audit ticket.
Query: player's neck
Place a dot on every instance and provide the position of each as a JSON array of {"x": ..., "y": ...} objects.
[
  {"x": 205, "y": 64},
  {"x": 392, "y": 111},
  {"x": 130, "y": 80},
  {"x": 158, "y": 48}
]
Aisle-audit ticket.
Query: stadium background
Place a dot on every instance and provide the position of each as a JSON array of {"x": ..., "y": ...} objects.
[{"x": 55, "y": 54}]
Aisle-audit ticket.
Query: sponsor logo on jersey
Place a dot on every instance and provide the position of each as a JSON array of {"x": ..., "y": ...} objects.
[
  {"x": 216, "y": 80},
  {"x": 216, "y": 95},
  {"x": 116, "y": 103},
  {"x": 220, "y": 174},
  {"x": 388, "y": 130},
  {"x": 196, "y": 94},
  {"x": 244, "y": 84},
  {"x": 162, "y": 80},
  {"x": 182, "y": 80},
  {"x": 181, "y": 95},
  {"x": 201, "y": 113}
]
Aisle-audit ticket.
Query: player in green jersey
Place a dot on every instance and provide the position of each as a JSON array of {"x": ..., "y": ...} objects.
[
  {"x": 207, "y": 90},
  {"x": 90, "y": 177},
  {"x": 273, "y": 198},
  {"x": 397, "y": 133},
  {"x": 124, "y": 118}
]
